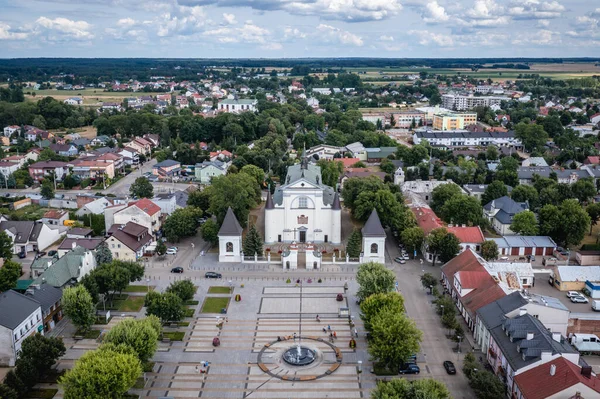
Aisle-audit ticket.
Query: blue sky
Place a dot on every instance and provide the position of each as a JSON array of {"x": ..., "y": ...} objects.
[{"x": 297, "y": 28}]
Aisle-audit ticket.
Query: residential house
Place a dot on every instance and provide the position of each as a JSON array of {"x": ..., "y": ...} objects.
[
  {"x": 477, "y": 190},
  {"x": 143, "y": 212},
  {"x": 130, "y": 156},
  {"x": 49, "y": 298},
  {"x": 221, "y": 155},
  {"x": 10, "y": 130},
  {"x": 206, "y": 170},
  {"x": 128, "y": 242},
  {"x": 167, "y": 203},
  {"x": 324, "y": 151},
  {"x": 111, "y": 106},
  {"x": 549, "y": 310},
  {"x": 8, "y": 167},
  {"x": 100, "y": 140},
  {"x": 141, "y": 145},
  {"x": 73, "y": 101},
  {"x": 167, "y": 168},
  {"x": 523, "y": 343},
  {"x": 66, "y": 150},
  {"x": 467, "y": 139},
  {"x": 27, "y": 236},
  {"x": 96, "y": 170},
  {"x": 69, "y": 243},
  {"x": 500, "y": 213},
  {"x": 525, "y": 245},
  {"x": 40, "y": 170},
  {"x": 81, "y": 142},
  {"x": 154, "y": 139},
  {"x": 576, "y": 278},
  {"x": 357, "y": 150},
  {"x": 20, "y": 317},
  {"x": 592, "y": 160},
  {"x": 534, "y": 161},
  {"x": 66, "y": 270},
  {"x": 96, "y": 207},
  {"x": 236, "y": 105},
  {"x": 55, "y": 217},
  {"x": 360, "y": 172},
  {"x": 80, "y": 232}
]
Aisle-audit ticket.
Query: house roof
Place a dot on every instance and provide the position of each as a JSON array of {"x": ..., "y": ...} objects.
[
  {"x": 426, "y": 219},
  {"x": 166, "y": 163},
  {"x": 471, "y": 279},
  {"x": 373, "y": 227},
  {"x": 578, "y": 273},
  {"x": 491, "y": 315},
  {"x": 80, "y": 231},
  {"x": 132, "y": 241},
  {"x": 347, "y": 162},
  {"x": 63, "y": 270},
  {"x": 87, "y": 243},
  {"x": 538, "y": 383},
  {"x": 230, "y": 226},
  {"x": 48, "y": 164},
  {"x": 525, "y": 242},
  {"x": 14, "y": 308},
  {"x": 468, "y": 234},
  {"x": 312, "y": 174},
  {"x": 336, "y": 202},
  {"x": 54, "y": 214},
  {"x": 147, "y": 206},
  {"x": 46, "y": 295},
  {"x": 269, "y": 204},
  {"x": 507, "y": 204},
  {"x": 22, "y": 230}
]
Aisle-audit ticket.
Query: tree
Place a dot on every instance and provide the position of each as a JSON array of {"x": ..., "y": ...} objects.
[
  {"x": 357, "y": 185},
  {"x": 462, "y": 209},
  {"x": 47, "y": 190},
  {"x": 100, "y": 374},
  {"x": 441, "y": 194},
  {"x": 549, "y": 221},
  {"x": 593, "y": 210},
  {"x": 489, "y": 250},
  {"x": 532, "y": 136},
  {"x": 442, "y": 244},
  {"x": 78, "y": 306},
  {"x": 6, "y": 246},
  {"x": 253, "y": 243},
  {"x": 239, "y": 191},
  {"x": 374, "y": 278},
  {"x": 330, "y": 171},
  {"x": 210, "y": 231},
  {"x": 42, "y": 351},
  {"x": 161, "y": 248},
  {"x": 584, "y": 190},
  {"x": 7, "y": 392},
  {"x": 141, "y": 335},
  {"x": 401, "y": 388},
  {"x": 428, "y": 280},
  {"x": 182, "y": 223},
  {"x": 9, "y": 274},
  {"x": 254, "y": 171},
  {"x": 394, "y": 337},
  {"x": 507, "y": 171},
  {"x": 413, "y": 238},
  {"x": 13, "y": 381},
  {"x": 391, "y": 211},
  {"x": 494, "y": 190},
  {"x": 487, "y": 385},
  {"x": 525, "y": 224},
  {"x": 354, "y": 246},
  {"x": 526, "y": 193},
  {"x": 376, "y": 303},
  {"x": 199, "y": 199},
  {"x": 575, "y": 222},
  {"x": 167, "y": 307},
  {"x": 141, "y": 188},
  {"x": 184, "y": 289},
  {"x": 103, "y": 254},
  {"x": 492, "y": 153}
]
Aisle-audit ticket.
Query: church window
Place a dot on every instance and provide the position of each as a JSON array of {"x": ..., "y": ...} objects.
[
  {"x": 374, "y": 248},
  {"x": 302, "y": 202},
  {"x": 229, "y": 247}
]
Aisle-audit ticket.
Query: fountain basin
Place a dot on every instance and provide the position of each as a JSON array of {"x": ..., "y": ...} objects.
[{"x": 299, "y": 356}]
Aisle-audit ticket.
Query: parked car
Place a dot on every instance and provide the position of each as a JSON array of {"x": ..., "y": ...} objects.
[
  {"x": 40, "y": 254},
  {"x": 400, "y": 260},
  {"x": 579, "y": 299},
  {"x": 409, "y": 369},
  {"x": 52, "y": 253},
  {"x": 573, "y": 293},
  {"x": 212, "y": 275},
  {"x": 449, "y": 366},
  {"x": 405, "y": 256},
  {"x": 174, "y": 248},
  {"x": 549, "y": 261},
  {"x": 177, "y": 269},
  {"x": 22, "y": 255},
  {"x": 171, "y": 251}
]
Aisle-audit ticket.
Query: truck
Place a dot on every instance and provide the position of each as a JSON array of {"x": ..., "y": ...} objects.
[{"x": 596, "y": 305}]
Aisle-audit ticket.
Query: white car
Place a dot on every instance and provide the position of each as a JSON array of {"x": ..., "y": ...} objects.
[
  {"x": 174, "y": 249},
  {"x": 579, "y": 299},
  {"x": 571, "y": 294},
  {"x": 171, "y": 251}
]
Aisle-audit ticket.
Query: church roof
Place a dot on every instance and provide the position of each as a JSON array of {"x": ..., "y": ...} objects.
[
  {"x": 336, "y": 202},
  {"x": 310, "y": 173},
  {"x": 373, "y": 227},
  {"x": 230, "y": 226},
  {"x": 269, "y": 204}
]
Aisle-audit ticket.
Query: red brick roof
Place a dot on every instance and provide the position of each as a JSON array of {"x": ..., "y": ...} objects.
[
  {"x": 427, "y": 219},
  {"x": 54, "y": 214},
  {"x": 147, "y": 206},
  {"x": 537, "y": 383},
  {"x": 471, "y": 279},
  {"x": 467, "y": 234},
  {"x": 347, "y": 161}
]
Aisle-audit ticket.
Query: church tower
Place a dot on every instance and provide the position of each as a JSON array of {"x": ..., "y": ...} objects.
[
  {"x": 336, "y": 220},
  {"x": 373, "y": 240},
  {"x": 230, "y": 239}
]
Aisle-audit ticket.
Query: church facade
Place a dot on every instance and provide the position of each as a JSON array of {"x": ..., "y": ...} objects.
[{"x": 303, "y": 209}]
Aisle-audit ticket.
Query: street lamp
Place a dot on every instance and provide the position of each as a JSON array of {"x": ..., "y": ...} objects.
[
  {"x": 458, "y": 347},
  {"x": 442, "y": 306},
  {"x": 148, "y": 285}
]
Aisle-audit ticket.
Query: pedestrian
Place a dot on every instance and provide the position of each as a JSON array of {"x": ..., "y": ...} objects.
[
  {"x": 319, "y": 320},
  {"x": 328, "y": 327},
  {"x": 356, "y": 333},
  {"x": 334, "y": 335},
  {"x": 324, "y": 330}
]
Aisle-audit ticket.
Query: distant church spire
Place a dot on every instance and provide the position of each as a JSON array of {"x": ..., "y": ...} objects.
[{"x": 304, "y": 162}]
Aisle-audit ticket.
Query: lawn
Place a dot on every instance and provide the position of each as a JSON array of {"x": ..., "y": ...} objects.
[
  {"x": 189, "y": 312},
  {"x": 214, "y": 305},
  {"x": 42, "y": 393},
  {"x": 191, "y": 303},
  {"x": 90, "y": 334},
  {"x": 125, "y": 303},
  {"x": 138, "y": 288},
  {"x": 139, "y": 384},
  {"x": 174, "y": 335},
  {"x": 219, "y": 290}
]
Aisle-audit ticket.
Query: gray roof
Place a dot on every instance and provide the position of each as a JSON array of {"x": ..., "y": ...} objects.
[
  {"x": 82, "y": 141},
  {"x": 230, "y": 226},
  {"x": 529, "y": 351},
  {"x": 507, "y": 208},
  {"x": 528, "y": 241},
  {"x": 336, "y": 202},
  {"x": 181, "y": 198},
  {"x": 46, "y": 295},
  {"x": 492, "y": 315},
  {"x": 373, "y": 227},
  {"x": 466, "y": 135},
  {"x": 14, "y": 308},
  {"x": 166, "y": 163},
  {"x": 216, "y": 163},
  {"x": 312, "y": 174},
  {"x": 21, "y": 229},
  {"x": 527, "y": 172},
  {"x": 269, "y": 204}
]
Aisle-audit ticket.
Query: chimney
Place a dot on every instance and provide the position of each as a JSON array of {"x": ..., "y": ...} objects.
[
  {"x": 73, "y": 244},
  {"x": 586, "y": 371},
  {"x": 556, "y": 336},
  {"x": 552, "y": 369},
  {"x": 522, "y": 312},
  {"x": 529, "y": 336}
]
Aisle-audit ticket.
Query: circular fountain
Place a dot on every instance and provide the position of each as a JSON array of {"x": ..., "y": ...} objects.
[{"x": 299, "y": 356}]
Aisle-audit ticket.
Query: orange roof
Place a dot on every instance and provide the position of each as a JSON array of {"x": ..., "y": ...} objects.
[
  {"x": 147, "y": 206},
  {"x": 471, "y": 279},
  {"x": 347, "y": 161},
  {"x": 54, "y": 214},
  {"x": 427, "y": 219},
  {"x": 467, "y": 234},
  {"x": 537, "y": 383},
  {"x": 221, "y": 152}
]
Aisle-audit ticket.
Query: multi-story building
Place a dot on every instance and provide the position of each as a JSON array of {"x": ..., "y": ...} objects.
[
  {"x": 236, "y": 105},
  {"x": 40, "y": 170},
  {"x": 128, "y": 242},
  {"x": 448, "y": 121},
  {"x": 20, "y": 317},
  {"x": 468, "y": 139},
  {"x": 143, "y": 212},
  {"x": 405, "y": 120},
  {"x": 461, "y": 103}
]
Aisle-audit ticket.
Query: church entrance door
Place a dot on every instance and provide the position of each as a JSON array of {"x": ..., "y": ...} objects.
[
  {"x": 302, "y": 236},
  {"x": 302, "y": 259}
]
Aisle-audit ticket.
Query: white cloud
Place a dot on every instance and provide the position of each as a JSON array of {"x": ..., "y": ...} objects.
[
  {"x": 249, "y": 33},
  {"x": 543, "y": 23},
  {"x": 427, "y": 38},
  {"x": 126, "y": 22},
  {"x": 535, "y": 9},
  {"x": 66, "y": 27},
  {"x": 272, "y": 46},
  {"x": 485, "y": 13},
  {"x": 290, "y": 32},
  {"x": 543, "y": 37},
  {"x": 385, "y": 38},
  {"x": 7, "y": 33},
  {"x": 332, "y": 34},
  {"x": 229, "y": 18},
  {"x": 434, "y": 12}
]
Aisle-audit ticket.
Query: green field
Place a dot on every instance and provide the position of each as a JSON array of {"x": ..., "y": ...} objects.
[
  {"x": 214, "y": 305},
  {"x": 90, "y": 96}
]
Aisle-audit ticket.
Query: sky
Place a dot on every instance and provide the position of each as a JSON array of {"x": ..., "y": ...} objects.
[{"x": 298, "y": 28}]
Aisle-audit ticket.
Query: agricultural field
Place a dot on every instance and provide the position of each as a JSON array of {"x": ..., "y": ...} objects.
[{"x": 90, "y": 96}]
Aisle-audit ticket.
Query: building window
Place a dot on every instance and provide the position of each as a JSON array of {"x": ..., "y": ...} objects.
[
  {"x": 229, "y": 247},
  {"x": 374, "y": 248},
  {"x": 302, "y": 202}
]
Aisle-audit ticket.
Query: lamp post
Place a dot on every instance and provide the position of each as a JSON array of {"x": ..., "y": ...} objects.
[
  {"x": 458, "y": 347},
  {"x": 442, "y": 306},
  {"x": 147, "y": 285}
]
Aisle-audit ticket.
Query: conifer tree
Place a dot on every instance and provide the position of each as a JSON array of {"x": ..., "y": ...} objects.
[
  {"x": 354, "y": 246},
  {"x": 253, "y": 242}
]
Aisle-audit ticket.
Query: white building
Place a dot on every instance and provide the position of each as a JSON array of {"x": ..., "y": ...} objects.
[
  {"x": 467, "y": 139},
  {"x": 236, "y": 105},
  {"x": 9, "y": 130},
  {"x": 230, "y": 239},
  {"x": 324, "y": 151},
  {"x": 373, "y": 240},
  {"x": 74, "y": 101},
  {"x": 461, "y": 103},
  {"x": 20, "y": 317},
  {"x": 303, "y": 209}
]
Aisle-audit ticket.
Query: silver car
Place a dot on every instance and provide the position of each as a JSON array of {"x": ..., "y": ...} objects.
[{"x": 579, "y": 299}]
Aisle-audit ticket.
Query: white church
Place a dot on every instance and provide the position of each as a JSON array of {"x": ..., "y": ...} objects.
[{"x": 303, "y": 209}]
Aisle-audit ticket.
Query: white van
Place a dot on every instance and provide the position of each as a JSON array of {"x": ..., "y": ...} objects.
[{"x": 596, "y": 305}]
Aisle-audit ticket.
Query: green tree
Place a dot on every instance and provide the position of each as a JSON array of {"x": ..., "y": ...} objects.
[
  {"x": 487, "y": 385},
  {"x": 374, "y": 278},
  {"x": 401, "y": 388},
  {"x": 199, "y": 199},
  {"x": 494, "y": 190},
  {"x": 13, "y": 382},
  {"x": 167, "y": 307},
  {"x": 6, "y": 246},
  {"x": 78, "y": 306},
  {"x": 575, "y": 222},
  {"x": 549, "y": 221},
  {"x": 442, "y": 244},
  {"x": 7, "y": 392},
  {"x": 182, "y": 223},
  {"x": 507, "y": 171},
  {"x": 253, "y": 243},
  {"x": 210, "y": 232},
  {"x": 101, "y": 374},
  {"x": 103, "y": 254},
  {"x": 492, "y": 153},
  {"x": 584, "y": 190},
  {"x": 525, "y": 224},
  {"x": 184, "y": 289},
  {"x": 526, "y": 193},
  {"x": 161, "y": 248},
  {"x": 141, "y": 188},
  {"x": 462, "y": 209},
  {"x": 593, "y": 210},
  {"x": 392, "y": 212},
  {"x": 387, "y": 166},
  {"x": 239, "y": 191},
  {"x": 9, "y": 274},
  {"x": 47, "y": 190},
  {"x": 376, "y": 303},
  {"x": 441, "y": 194},
  {"x": 330, "y": 171},
  {"x": 254, "y": 171},
  {"x": 532, "y": 136},
  {"x": 489, "y": 250},
  {"x": 354, "y": 246},
  {"x": 428, "y": 280},
  {"x": 413, "y": 238},
  {"x": 141, "y": 335},
  {"x": 357, "y": 185},
  {"x": 42, "y": 351},
  {"x": 394, "y": 337}
]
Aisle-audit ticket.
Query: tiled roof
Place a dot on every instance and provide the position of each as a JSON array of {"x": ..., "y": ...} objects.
[
  {"x": 46, "y": 295},
  {"x": 147, "y": 206},
  {"x": 64, "y": 269},
  {"x": 87, "y": 243},
  {"x": 426, "y": 219},
  {"x": 130, "y": 241},
  {"x": 470, "y": 279},
  {"x": 492, "y": 314},
  {"x": 54, "y": 214},
  {"x": 48, "y": 164},
  {"x": 471, "y": 234},
  {"x": 537, "y": 383},
  {"x": 347, "y": 161}
]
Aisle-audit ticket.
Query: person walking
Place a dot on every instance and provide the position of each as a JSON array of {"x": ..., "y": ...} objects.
[{"x": 356, "y": 333}]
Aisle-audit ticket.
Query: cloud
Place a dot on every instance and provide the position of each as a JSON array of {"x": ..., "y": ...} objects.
[
  {"x": 272, "y": 46},
  {"x": 332, "y": 34},
  {"x": 80, "y": 30},
  {"x": 385, "y": 38},
  {"x": 7, "y": 33},
  {"x": 434, "y": 12},
  {"x": 249, "y": 33},
  {"x": 126, "y": 22},
  {"x": 427, "y": 38},
  {"x": 485, "y": 13},
  {"x": 229, "y": 18},
  {"x": 543, "y": 23},
  {"x": 290, "y": 32},
  {"x": 543, "y": 37},
  {"x": 535, "y": 9}
]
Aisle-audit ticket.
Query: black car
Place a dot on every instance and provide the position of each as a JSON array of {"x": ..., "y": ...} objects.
[
  {"x": 52, "y": 253},
  {"x": 22, "y": 255},
  {"x": 40, "y": 254},
  {"x": 410, "y": 369},
  {"x": 212, "y": 275},
  {"x": 449, "y": 366},
  {"x": 177, "y": 269}
]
